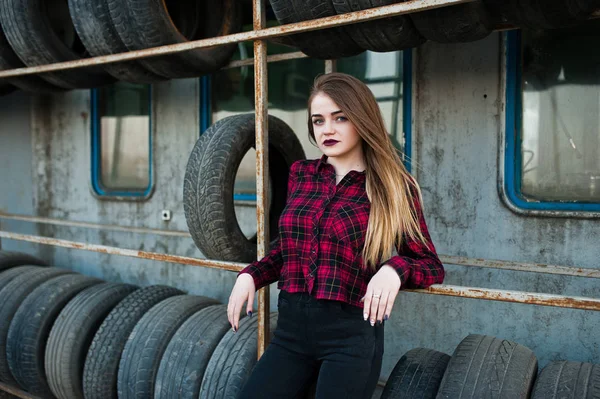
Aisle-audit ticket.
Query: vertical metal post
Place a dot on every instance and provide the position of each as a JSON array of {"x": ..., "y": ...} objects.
[
  {"x": 262, "y": 167},
  {"x": 330, "y": 66}
]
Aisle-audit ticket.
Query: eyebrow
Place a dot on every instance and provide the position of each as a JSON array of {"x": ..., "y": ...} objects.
[{"x": 333, "y": 113}]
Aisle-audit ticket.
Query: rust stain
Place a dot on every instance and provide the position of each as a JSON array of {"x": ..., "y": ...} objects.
[
  {"x": 585, "y": 303},
  {"x": 516, "y": 297},
  {"x": 16, "y": 392}
]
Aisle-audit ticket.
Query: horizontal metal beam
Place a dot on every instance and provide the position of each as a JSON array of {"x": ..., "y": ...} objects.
[
  {"x": 214, "y": 264},
  {"x": 17, "y": 392},
  {"x": 306, "y": 26},
  {"x": 270, "y": 59},
  {"x": 449, "y": 290},
  {"x": 446, "y": 259},
  {"x": 521, "y": 266},
  {"x": 532, "y": 298}
]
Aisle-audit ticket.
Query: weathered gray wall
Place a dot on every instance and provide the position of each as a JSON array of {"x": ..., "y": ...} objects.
[
  {"x": 16, "y": 165},
  {"x": 457, "y": 129}
]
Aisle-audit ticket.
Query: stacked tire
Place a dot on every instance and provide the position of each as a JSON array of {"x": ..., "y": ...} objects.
[
  {"x": 487, "y": 367},
  {"x": 32, "y": 35},
  {"x": 68, "y": 336},
  {"x": 451, "y": 24}
]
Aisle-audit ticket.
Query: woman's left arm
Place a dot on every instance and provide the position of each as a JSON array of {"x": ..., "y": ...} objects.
[
  {"x": 417, "y": 263},
  {"x": 415, "y": 266}
]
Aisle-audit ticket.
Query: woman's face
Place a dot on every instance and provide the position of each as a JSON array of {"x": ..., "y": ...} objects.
[{"x": 335, "y": 135}]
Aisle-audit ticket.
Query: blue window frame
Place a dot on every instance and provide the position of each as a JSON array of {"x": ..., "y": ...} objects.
[
  {"x": 121, "y": 145},
  {"x": 569, "y": 189},
  {"x": 400, "y": 96}
]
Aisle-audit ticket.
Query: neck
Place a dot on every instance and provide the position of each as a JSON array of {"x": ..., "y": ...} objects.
[{"x": 344, "y": 165}]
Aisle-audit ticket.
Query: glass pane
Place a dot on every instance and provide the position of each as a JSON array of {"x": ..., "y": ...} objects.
[
  {"x": 124, "y": 127},
  {"x": 560, "y": 121}
]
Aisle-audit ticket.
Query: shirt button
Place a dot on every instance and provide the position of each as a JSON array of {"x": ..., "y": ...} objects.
[{"x": 314, "y": 251}]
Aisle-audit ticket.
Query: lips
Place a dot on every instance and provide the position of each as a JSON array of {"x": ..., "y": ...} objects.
[{"x": 330, "y": 142}]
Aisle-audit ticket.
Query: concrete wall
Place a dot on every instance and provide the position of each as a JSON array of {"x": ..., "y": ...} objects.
[{"x": 457, "y": 130}]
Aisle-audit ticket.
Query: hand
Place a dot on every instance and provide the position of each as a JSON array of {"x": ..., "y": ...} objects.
[
  {"x": 242, "y": 291},
  {"x": 381, "y": 294}
]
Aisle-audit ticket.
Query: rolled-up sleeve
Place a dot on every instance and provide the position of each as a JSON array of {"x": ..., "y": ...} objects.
[{"x": 417, "y": 263}]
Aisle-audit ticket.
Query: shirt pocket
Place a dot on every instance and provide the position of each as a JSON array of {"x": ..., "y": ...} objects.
[{"x": 349, "y": 225}]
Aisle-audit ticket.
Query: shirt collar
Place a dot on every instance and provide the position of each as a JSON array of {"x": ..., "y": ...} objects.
[{"x": 323, "y": 165}]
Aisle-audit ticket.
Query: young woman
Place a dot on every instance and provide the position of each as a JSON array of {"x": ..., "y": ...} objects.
[{"x": 345, "y": 216}]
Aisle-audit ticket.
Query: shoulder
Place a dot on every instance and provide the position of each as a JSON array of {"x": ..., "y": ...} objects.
[{"x": 304, "y": 166}]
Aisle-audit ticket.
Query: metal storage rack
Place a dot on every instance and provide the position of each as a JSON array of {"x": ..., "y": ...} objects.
[{"x": 259, "y": 35}]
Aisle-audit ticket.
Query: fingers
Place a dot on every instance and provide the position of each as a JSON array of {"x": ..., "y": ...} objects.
[
  {"x": 250, "y": 304},
  {"x": 378, "y": 298},
  {"x": 378, "y": 306},
  {"x": 234, "y": 308}
]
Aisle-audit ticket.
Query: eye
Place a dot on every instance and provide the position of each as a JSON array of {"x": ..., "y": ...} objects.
[
  {"x": 317, "y": 121},
  {"x": 341, "y": 119}
]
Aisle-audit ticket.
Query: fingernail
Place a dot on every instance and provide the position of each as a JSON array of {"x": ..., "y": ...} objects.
[
  {"x": 385, "y": 317},
  {"x": 234, "y": 329},
  {"x": 250, "y": 313},
  {"x": 379, "y": 322},
  {"x": 372, "y": 323},
  {"x": 366, "y": 316}
]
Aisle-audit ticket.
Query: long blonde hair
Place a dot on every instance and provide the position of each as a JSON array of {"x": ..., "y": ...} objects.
[{"x": 390, "y": 188}]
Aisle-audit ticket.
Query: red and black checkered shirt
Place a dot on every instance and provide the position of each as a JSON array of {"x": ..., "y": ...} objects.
[{"x": 321, "y": 237}]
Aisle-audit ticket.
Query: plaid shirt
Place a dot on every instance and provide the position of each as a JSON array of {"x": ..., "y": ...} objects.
[{"x": 321, "y": 237}]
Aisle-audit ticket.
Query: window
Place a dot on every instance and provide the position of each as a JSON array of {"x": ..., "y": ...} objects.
[
  {"x": 552, "y": 156},
  {"x": 122, "y": 140},
  {"x": 387, "y": 74}
]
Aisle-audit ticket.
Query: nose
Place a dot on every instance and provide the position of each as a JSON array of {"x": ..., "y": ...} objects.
[{"x": 328, "y": 127}]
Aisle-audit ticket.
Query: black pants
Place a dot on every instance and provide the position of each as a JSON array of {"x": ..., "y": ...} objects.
[{"x": 328, "y": 339}]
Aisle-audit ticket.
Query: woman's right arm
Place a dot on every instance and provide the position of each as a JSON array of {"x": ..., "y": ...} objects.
[{"x": 268, "y": 269}]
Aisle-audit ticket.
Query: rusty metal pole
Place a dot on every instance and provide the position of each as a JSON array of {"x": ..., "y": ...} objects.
[
  {"x": 262, "y": 167},
  {"x": 330, "y": 66}
]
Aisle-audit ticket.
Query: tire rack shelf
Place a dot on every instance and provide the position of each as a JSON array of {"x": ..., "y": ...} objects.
[{"x": 562, "y": 301}]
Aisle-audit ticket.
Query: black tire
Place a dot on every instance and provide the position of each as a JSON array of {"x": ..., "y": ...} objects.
[
  {"x": 6, "y": 89},
  {"x": 324, "y": 44},
  {"x": 570, "y": 44},
  {"x": 417, "y": 375},
  {"x": 209, "y": 180},
  {"x": 72, "y": 334},
  {"x": 102, "y": 360},
  {"x": 147, "y": 23},
  {"x": 542, "y": 14},
  {"x": 94, "y": 26},
  {"x": 233, "y": 360},
  {"x": 541, "y": 62},
  {"x": 484, "y": 366},
  {"x": 564, "y": 379},
  {"x": 455, "y": 24},
  {"x": 11, "y": 259},
  {"x": 148, "y": 341},
  {"x": 12, "y": 296},
  {"x": 31, "y": 326},
  {"x": 39, "y": 39},
  {"x": 32, "y": 83},
  {"x": 388, "y": 34},
  {"x": 8, "y": 275},
  {"x": 185, "y": 359}
]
